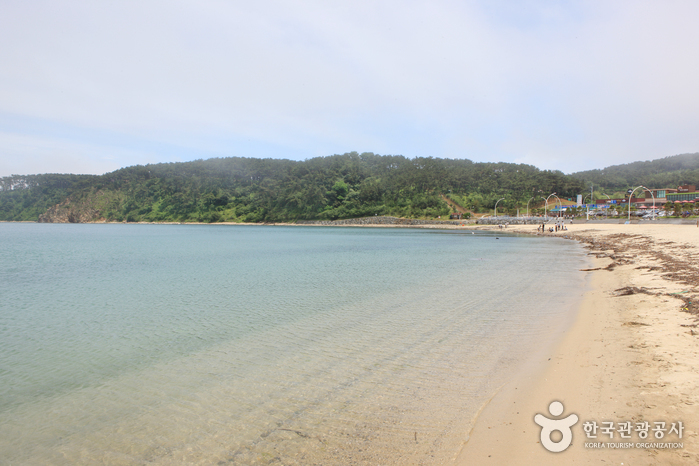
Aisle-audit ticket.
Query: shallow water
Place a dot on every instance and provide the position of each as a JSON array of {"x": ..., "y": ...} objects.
[{"x": 171, "y": 344}]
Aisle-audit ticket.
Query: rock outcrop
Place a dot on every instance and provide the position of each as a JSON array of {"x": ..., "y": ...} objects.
[{"x": 71, "y": 212}]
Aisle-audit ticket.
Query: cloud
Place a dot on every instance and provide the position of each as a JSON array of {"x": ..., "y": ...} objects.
[{"x": 572, "y": 86}]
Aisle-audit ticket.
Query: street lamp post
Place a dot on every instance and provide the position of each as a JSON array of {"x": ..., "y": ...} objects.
[
  {"x": 528, "y": 206},
  {"x": 607, "y": 209},
  {"x": 546, "y": 215},
  {"x": 631, "y": 197},
  {"x": 629, "y": 206},
  {"x": 496, "y": 206},
  {"x": 560, "y": 204},
  {"x": 588, "y": 207}
]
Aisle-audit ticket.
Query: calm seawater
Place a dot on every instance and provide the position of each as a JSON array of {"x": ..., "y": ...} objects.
[{"x": 188, "y": 344}]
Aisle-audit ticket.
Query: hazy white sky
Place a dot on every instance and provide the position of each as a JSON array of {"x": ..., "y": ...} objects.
[{"x": 89, "y": 87}]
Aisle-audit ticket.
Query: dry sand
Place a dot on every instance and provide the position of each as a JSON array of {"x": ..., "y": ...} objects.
[{"x": 631, "y": 355}]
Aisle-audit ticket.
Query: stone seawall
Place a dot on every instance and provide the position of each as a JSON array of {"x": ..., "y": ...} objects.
[
  {"x": 513, "y": 220},
  {"x": 376, "y": 220},
  {"x": 383, "y": 220}
]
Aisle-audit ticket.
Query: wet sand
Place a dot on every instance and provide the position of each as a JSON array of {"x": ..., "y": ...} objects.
[{"x": 631, "y": 355}]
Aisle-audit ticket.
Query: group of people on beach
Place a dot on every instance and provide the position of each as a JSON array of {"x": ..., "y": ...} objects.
[{"x": 558, "y": 226}]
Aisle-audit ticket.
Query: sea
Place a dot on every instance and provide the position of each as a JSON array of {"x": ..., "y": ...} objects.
[{"x": 129, "y": 344}]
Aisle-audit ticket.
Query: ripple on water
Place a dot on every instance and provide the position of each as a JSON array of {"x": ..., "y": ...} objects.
[{"x": 174, "y": 344}]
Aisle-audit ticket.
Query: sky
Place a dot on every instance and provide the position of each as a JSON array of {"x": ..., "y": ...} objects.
[{"x": 90, "y": 87}]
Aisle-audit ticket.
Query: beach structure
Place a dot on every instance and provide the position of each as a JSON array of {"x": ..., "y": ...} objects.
[{"x": 683, "y": 196}]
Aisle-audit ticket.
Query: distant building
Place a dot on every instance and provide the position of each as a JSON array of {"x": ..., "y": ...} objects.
[
  {"x": 635, "y": 202},
  {"x": 684, "y": 196},
  {"x": 687, "y": 192},
  {"x": 658, "y": 193}
]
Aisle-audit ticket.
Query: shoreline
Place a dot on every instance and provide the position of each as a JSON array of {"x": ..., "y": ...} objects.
[{"x": 629, "y": 356}]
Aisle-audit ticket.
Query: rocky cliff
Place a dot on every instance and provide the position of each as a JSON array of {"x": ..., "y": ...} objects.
[{"x": 70, "y": 211}]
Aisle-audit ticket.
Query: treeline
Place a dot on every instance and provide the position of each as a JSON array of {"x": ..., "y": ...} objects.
[
  {"x": 668, "y": 172},
  {"x": 273, "y": 190}
]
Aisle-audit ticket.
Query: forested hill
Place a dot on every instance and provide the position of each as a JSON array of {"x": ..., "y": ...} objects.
[
  {"x": 259, "y": 190},
  {"x": 668, "y": 172}
]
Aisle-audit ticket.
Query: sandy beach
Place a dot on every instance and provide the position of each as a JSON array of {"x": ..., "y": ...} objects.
[{"x": 631, "y": 356}]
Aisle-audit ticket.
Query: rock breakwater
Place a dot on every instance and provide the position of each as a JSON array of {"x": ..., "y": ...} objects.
[
  {"x": 382, "y": 220},
  {"x": 513, "y": 220}
]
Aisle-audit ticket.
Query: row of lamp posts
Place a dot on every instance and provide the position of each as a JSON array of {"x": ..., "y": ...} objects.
[
  {"x": 546, "y": 200},
  {"x": 560, "y": 204}
]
